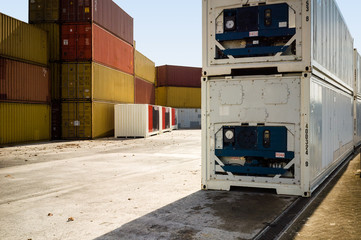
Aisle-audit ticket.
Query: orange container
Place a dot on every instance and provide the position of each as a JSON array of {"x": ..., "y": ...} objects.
[
  {"x": 23, "y": 82},
  {"x": 89, "y": 42},
  {"x": 144, "y": 92}
]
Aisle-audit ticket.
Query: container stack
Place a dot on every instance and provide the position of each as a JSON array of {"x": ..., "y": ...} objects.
[
  {"x": 24, "y": 82},
  {"x": 144, "y": 79},
  {"x": 44, "y": 14},
  {"x": 178, "y": 87},
  {"x": 97, "y": 66}
]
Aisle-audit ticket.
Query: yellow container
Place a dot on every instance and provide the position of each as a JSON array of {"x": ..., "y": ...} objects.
[
  {"x": 87, "y": 120},
  {"x": 22, "y": 41},
  {"x": 178, "y": 97},
  {"x": 55, "y": 72},
  {"x": 96, "y": 82},
  {"x": 21, "y": 122},
  {"x": 144, "y": 67},
  {"x": 53, "y": 31},
  {"x": 43, "y": 11}
]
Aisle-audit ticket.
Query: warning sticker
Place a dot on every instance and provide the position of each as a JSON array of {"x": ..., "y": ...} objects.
[
  {"x": 253, "y": 34},
  {"x": 66, "y": 42},
  {"x": 280, "y": 155}
]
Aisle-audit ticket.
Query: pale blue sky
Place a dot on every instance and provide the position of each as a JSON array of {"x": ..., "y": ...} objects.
[{"x": 170, "y": 32}]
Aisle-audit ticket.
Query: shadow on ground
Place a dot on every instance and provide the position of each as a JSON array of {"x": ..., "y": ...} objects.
[{"x": 207, "y": 215}]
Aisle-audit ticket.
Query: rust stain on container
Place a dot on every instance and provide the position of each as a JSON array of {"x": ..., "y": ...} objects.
[
  {"x": 23, "y": 82},
  {"x": 87, "y": 42},
  {"x": 106, "y": 13},
  {"x": 144, "y": 92},
  {"x": 178, "y": 76}
]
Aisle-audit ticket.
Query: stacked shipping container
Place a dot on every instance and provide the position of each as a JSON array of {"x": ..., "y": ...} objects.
[
  {"x": 97, "y": 66},
  {"x": 178, "y": 86},
  {"x": 24, "y": 82},
  {"x": 144, "y": 79},
  {"x": 44, "y": 14}
]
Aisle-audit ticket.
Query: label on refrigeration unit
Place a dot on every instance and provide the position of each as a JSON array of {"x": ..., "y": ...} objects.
[
  {"x": 255, "y": 42},
  {"x": 280, "y": 155},
  {"x": 65, "y": 42},
  {"x": 76, "y": 123},
  {"x": 282, "y": 24},
  {"x": 253, "y": 34}
]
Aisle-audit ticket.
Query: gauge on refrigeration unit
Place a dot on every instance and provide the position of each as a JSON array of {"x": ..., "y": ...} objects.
[
  {"x": 230, "y": 24},
  {"x": 229, "y": 134}
]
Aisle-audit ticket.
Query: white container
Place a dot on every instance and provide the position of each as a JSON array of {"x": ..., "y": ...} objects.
[
  {"x": 289, "y": 132},
  {"x": 357, "y": 102},
  {"x": 137, "y": 120},
  {"x": 317, "y": 38},
  {"x": 189, "y": 118}
]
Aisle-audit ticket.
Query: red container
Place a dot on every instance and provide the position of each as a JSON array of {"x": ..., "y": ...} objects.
[
  {"x": 178, "y": 76},
  {"x": 105, "y": 13},
  {"x": 23, "y": 82},
  {"x": 89, "y": 42},
  {"x": 144, "y": 92}
]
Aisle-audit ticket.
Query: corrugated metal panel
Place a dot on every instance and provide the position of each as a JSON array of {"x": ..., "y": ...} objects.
[
  {"x": 86, "y": 120},
  {"x": 332, "y": 41},
  {"x": 137, "y": 120},
  {"x": 103, "y": 119},
  {"x": 24, "y": 122},
  {"x": 189, "y": 118},
  {"x": 112, "y": 51},
  {"x": 79, "y": 43},
  {"x": 19, "y": 40},
  {"x": 23, "y": 82},
  {"x": 76, "y": 120},
  {"x": 43, "y": 11},
  {"x": 330, "y": 108},
  {"x": 358, "y": 122},
  {"x": 55, "y": 79},
  {"x": 144, "y": 92},
  {"x": 144, "y": 67},
  {"x": 112, "y": 85},
  {"x": 358, "y": 73},
  {"x": 178, "y": 97},
  {"x": 95, "y": 81},
  {"x": 178, "y": 76},
  {"x": 53, "y": 31},
  {"x": 106, "y": 13}
]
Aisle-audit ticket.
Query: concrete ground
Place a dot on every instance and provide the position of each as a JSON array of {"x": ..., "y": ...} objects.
[
  {"x": 123, "y": 189},
  {"x": 336, "y": 212}
]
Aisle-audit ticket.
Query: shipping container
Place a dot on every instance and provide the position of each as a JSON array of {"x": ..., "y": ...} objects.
[
  {"x": 53, "y": 30},
  {"x": 87, "y": 120},
  {"x": 166, "y": 119},
  {"x": 144, "y": 92},
  {"x": 189, "y": 118},
  {"x": 56, "y": 120},
  {"x": 144, "y": 67},
  {"x": 55, "y": 80},
  {"x": 174, "y": 118},
  {"x": 274, "y": 132},
  {"x": 22, "y": 41},
  {"x": 23, "y": 82},
  {"x": 178, "y": 97},
  {"x": 178, "y": 76},
  {"x": 41, "y": 11},
  {"x": 105, "y": 13},
  {"x": 20, "y": 122},
  {"x": 272, "y": 37},
  {"x": 137, "y": 120},
  {"x": 84, "y": 80},
  {"x": 87, "y": 42}
]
